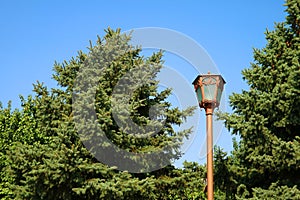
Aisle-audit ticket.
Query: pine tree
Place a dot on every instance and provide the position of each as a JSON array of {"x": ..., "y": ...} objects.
[
  {"x": 267, "y": 116},
  {"x": 43, "y": 156}
]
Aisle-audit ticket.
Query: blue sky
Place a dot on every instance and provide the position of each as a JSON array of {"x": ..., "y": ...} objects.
[{"x": 34, "y": 34}]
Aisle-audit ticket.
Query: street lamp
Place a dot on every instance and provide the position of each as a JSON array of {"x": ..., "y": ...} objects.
[{"x": 209, "y": 88}]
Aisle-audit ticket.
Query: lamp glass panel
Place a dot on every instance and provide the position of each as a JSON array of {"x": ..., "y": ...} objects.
[
  {"x": 219, "y": 95},
  {"x": 209, "y": 91},
  {"x": 209, "y": 85},
  {"x": 199, "y": 94}
]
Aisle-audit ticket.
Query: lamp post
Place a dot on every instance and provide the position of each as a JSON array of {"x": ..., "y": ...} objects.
[{"x": 209, "y": 89}]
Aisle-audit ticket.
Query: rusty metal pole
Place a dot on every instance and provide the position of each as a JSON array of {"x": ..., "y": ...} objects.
[{"x": 209, "y": 134}]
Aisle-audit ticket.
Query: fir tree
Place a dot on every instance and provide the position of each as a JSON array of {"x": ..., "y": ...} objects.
[
  {"x": 266, "y": 162},
  {"x": 43, "y": 157}
]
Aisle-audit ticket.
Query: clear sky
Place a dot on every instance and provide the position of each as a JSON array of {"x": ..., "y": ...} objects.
[{"x": 34, "y": 34}]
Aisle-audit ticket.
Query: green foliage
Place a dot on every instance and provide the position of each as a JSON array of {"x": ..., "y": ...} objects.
[
  {"x": 267, "y": 117},
  {"x": 42, "y": 156},
  {"x": 223, "y": 180},
  {"x": 276, "y": 192}
]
